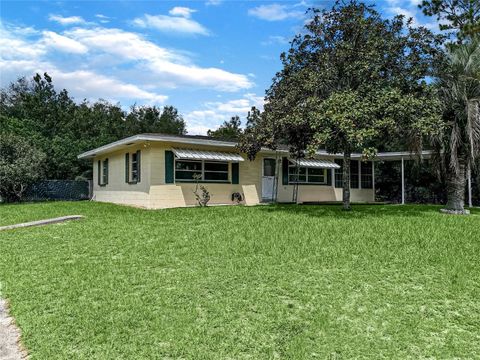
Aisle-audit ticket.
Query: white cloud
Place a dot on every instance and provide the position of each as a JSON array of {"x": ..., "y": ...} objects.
[
  {"x": 165, "y": 67},
  {"x": 13, "y": 45},
  {"x": 410, "y": 13},
  {"x": 115, "y": 64},
  {"x": 69, "y": 20},
  {"x": 121, "y": 43},
  {"x": 182, "y": 11},
  {"x": 91, "y": 85},
  {"x": 215, "y": 113},
  {"x": 102, "y": 18},
  {"x": 274, "y": 12},
  {"x": 63, "y": 43},
  {"x": 81, "y": 83},
  {"x": 171, "y": 24},
  {"x": 213, "y": 2},
  {"x": 275, "y": 39}
]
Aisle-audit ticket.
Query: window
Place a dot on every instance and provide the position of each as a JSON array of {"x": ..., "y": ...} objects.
[
  {"x": 132, "y": 167},
  {"x": 353, "y": 174},
  {"x": 354, "y": 168},
  {"x": 306, "y": 175},
  {"x": 102, "y": 169},
  {"x": 339, "y": 174},
  {"x": 269, "y": 167},
  {"x": 134, "y": 173},
  {"x": 367, "y": 176},
  {"x": 207, "y": 170}
]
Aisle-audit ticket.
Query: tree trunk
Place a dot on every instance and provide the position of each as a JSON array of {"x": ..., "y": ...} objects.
[
  {"x": 456, "y": 189},
  {"x": 346, "y": 181}
]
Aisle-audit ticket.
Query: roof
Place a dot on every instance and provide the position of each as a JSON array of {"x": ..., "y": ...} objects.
[{"x": 208, "y": 141}]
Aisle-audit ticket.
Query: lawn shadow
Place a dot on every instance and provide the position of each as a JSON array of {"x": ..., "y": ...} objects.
[{"x": 358, "y": 210}]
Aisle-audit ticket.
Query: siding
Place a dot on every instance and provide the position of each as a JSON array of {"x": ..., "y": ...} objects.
[
  {"x": 152, "y": 192},
  {"x": 117, "y": 190}
]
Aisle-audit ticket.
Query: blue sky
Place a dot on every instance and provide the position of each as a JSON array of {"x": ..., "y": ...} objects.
[{"x": 211, "y": 59}]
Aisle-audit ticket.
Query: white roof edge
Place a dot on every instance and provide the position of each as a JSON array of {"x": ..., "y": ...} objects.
[
  {"x": 161, "y": 138},
  {"x": 196, "y": 141}
]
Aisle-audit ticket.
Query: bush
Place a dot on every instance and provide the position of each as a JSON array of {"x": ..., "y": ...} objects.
[{"x": 20, "y": 165}]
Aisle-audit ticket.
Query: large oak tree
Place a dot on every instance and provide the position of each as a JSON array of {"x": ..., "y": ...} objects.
[{"x": 349, "y": 78}]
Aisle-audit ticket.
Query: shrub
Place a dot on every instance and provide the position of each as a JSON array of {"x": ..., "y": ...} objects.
[{"x": 20, "y": 165}]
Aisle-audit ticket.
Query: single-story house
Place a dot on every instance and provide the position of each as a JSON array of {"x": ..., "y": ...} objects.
[{"x": 156, "y": 171}]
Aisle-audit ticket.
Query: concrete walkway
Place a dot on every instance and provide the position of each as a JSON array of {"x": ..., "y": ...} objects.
[
  {"x": 42, "y": 222},
  {"x": 9, "y": 336}
]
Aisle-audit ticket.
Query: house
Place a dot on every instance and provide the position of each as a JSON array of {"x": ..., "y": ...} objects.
[{"x": 156, "y": 171}]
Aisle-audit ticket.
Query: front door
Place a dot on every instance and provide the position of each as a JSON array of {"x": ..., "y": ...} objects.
[{"x": 268, "y": 178}]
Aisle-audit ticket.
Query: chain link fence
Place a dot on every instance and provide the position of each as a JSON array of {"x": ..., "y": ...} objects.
[{"x": 58, "y": 190}]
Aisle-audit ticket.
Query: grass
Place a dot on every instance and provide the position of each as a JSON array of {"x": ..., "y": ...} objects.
[{"x": 288, "y": 282}]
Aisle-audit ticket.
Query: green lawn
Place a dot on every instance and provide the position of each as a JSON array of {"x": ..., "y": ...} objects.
[{"x": 287, "y": 282}]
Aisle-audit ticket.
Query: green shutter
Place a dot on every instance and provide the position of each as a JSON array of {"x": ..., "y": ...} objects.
[
  {"x": 99, "y": 172},
  {"x": 169, "y": 171},
  {"x": 106, "y": 171},
  {"x": 329, "y": 177},
  {"x": 127, "y": 167},
  {"x": 235, "y": 173},
  {"x": 284, "y": 171},
  {"x": 139, "y": 167}
]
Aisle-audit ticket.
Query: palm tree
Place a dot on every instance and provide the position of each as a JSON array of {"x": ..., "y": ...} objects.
[{"x": 460, "y": 139}]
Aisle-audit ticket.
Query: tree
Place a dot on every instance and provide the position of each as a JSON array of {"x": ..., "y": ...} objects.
[
  {"x": 350, "y": 78},
  {"x": 54, "y": 123},
  {"x": 229, "y": 130},
  {"x": 350, "y": 120},
  {"x": 461, "y": 16},
  {"x": 150, "y": 119},
  {"x": 20, "y": 165},
  {"x": 459, "y": 142}
]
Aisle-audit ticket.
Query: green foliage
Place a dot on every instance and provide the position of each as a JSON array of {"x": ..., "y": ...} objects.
[
  {"x": 229, "y": 130},
  {"x": 460, "y": 16},
  {"x": 241, "y": 282},
  {"x": 202, "y": 195},
  {"x": 62, "y": 129},
  {"x": 147, "y": 119},
  {"x": 458, "y": 143},
  {"x": 20, "y": 165}
]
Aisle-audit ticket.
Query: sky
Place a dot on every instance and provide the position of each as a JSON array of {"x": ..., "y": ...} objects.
[{"x": 211, "y": 59}]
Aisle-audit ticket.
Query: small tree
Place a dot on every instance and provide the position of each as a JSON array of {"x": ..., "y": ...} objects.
[
  {"x": 20, "y": 165},
  {"x": 202, "y": 195}
]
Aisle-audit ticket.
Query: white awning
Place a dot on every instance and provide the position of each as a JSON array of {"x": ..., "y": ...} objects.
[
  {"x": 187, "y": 154},
  {"x": 314, "y": 163}
]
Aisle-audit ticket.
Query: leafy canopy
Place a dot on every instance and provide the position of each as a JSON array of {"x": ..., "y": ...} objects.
[
  {"x": 348, "y": 79},
  {"x": 350, "y": 53}
]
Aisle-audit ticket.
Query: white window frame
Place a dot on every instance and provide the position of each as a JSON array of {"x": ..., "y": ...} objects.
[
  {"x": 295, "y": 167},
  {"x": 202, "y": 171}
]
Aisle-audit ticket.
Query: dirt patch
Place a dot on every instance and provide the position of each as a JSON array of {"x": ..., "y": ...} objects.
[{"x": 10, "y": 348}]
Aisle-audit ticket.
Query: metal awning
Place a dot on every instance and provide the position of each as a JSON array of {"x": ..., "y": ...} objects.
[
  {"x": 315, "y": 163},
  {"x": 187, "y": 154}
]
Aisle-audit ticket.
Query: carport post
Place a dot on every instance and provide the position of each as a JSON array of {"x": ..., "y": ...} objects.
[
  {"x": 403, "y": 182},
  {"x": 469, "y": 181}
]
